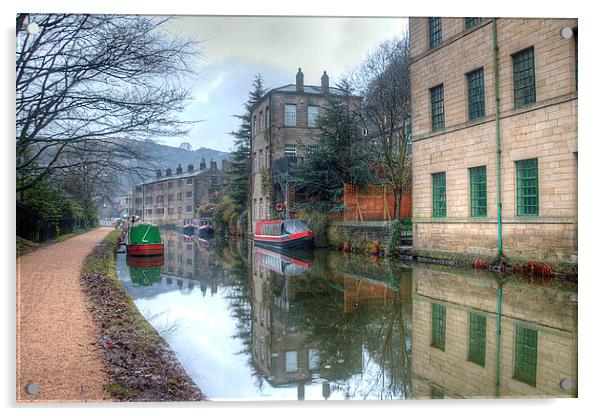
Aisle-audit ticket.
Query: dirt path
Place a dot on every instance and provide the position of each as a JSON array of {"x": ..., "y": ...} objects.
[{"x": 55, "y": 331}]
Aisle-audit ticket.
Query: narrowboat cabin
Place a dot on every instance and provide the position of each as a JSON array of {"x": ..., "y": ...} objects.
[
  {"x": 144, "y": 239},
  {"x": 283, "y": 234}
]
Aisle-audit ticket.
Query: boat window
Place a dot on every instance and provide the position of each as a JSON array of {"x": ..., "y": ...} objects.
[{"x": 295, "y": 226}]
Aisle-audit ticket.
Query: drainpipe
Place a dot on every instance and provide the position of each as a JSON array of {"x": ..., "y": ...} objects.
[
  {"x": 496, "y": 76},
  {"x": 498, "y": 335}
]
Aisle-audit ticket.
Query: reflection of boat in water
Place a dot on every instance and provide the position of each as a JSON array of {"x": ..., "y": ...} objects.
[
  {"x": 205, "y": 228},
  {"x": 281, "y": 262},
  {"x": 145, "y": 271},
  {"x": 144, "y": 239},
  {"x": 283, "y": 234}
]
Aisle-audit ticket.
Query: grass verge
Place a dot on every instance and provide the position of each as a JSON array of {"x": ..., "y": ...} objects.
[
  {"x": 25, "y": 246},
  {"x": 141, "y": 365}
]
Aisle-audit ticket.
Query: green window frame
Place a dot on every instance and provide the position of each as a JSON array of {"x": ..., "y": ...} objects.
[
  {"x": 478, "y": 191},
  {"x": 472, "y": 21},
  {"x": 477, "y": 338},
  {"x": 437, "y": 108},
  {"x": 525, "y": 355},
  {"x": 435, "y": 33},
  {"x": 439, "y": 195},
  {"x": 527, "y": 188},
  {"x": 523, "y": 64},
  {"x": 438, "y": 326},
  {"x": 476, "y": 94}
]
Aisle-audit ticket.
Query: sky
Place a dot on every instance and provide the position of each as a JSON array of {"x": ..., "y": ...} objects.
[{"x": 234, "y": 49}]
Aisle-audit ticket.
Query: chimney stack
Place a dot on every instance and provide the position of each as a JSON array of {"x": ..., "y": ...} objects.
[
  {"x": 179, "y": 168},
  {"x": 203, "y": 164},
  {"x": 213, "y": 165},
  {"x": 159, "y": 173},
  {"x": 299, "y": 81},
  {"x": 325, "y": 86},
  {"x": 168, "y": 172},
  {"x": 190, "y": 167}
]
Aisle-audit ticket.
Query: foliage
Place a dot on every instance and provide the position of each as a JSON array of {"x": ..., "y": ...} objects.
[
  {"x": 85, "y": 82},
  {"x": 226, "y": 218},
  {"x": 342, "y": 157},
  {"x": 239, "y": 173},
  {"x": 395, "y": 233},
  {"x": 318, "y": 222}
]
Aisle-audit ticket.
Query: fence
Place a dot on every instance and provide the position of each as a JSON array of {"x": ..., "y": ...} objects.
[
  {"x": 372, "y": 203},
  {"x": 35, "y": 228}
]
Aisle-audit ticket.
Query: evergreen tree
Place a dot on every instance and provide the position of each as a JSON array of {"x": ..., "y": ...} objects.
[
  {"x": 342, "y": 156},
  {"x": 240, "y": 170}
]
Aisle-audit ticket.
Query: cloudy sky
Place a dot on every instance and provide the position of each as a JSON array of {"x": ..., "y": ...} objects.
[{"x": 237, "y": 48}]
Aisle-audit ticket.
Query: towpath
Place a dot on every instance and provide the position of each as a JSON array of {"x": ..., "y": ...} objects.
[{"x": 55, "y": 331}]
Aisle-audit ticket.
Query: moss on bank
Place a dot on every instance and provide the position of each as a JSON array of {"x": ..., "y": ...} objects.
[{"x": 141, "y": 366}]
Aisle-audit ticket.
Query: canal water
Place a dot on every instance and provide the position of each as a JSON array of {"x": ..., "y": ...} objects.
[{"x": 252, "y": 324}]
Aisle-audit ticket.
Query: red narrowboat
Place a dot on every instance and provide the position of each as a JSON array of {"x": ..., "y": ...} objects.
[
  {"x": 283, "y": 234},
  {"x": 144, "y": 240}
]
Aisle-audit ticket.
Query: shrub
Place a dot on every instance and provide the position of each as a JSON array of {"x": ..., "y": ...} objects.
[{"x": 318, "y": 222}]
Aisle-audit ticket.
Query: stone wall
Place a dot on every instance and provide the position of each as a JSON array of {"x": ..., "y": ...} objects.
[
  {"x": 360, "y": 234},
  {"x": 546, "y": 130}
]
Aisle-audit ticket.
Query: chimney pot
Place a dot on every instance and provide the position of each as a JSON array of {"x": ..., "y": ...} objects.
[
  {"x": 179, "y": 168},
  {"x": 159, "y": 173},
  {"x": 190, "y": 167},
  {"x": 168, "y": 172}
]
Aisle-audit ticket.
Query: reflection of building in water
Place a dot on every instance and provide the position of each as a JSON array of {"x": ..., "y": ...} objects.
[
  {"x": 287, "y": 295},
  {"x": 186, "y": 259},
  {"x": 455, "y": 343}
]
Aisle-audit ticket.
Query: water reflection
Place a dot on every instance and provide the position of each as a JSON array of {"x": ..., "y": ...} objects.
[{"x": 258, "y": 324}]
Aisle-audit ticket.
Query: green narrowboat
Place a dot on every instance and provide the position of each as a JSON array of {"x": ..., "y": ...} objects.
[{"x": 144, "y": 239}]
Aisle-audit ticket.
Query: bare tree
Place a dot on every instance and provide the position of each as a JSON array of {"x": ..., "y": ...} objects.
[
  {"x": 383, "y": 78},
  {"x": 95, "y": 83}
]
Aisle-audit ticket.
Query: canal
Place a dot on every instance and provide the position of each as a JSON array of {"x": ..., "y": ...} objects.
[{"x": 251, "y": 324}]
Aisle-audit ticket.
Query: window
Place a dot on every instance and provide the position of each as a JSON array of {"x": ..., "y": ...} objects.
[
  {"x": 149, "y": 211},
  {"x": 188, "y": 181},
  {"x": 313, "y": 112},
  {"x": 254, "y": 124},
  {"x": 439, "y": 201},
  {"x": 478, "y": 191},
  {"x": 523, "y": 64},
  {"x": 160, "y": 199},
  {"x": 476, "y": 94},
  {"x": 180, "y": 182},
  {"x": 314, "y": 358},
  {"x": 170, "y": 211},
  {"x": 149, "y": 199},
  {"x": 527, "y": 191},
  {"x": 138, "y": 189},
  {"x": 291, "y": 361},
  {"x": 267, "y": 157},
  {"x": 180, "y": 210},
  {"x": 438, "y": 326},
  {"x": 312, "y": 148},
  {"x": 476, "y": 338},
  {"x": 472, "y": 21},
  {"x": 437, "y": 111},
  {"x": 189, "y": 208},
  {"x": 260, "y": 121},
  {"x": 138, "y": 201},
  {"x": 267, "y": 117},
  {"x": 170, "y": 197},
  {"x": 435, "y": 36},
  {"x": 189, "y": 194},
  {"x": 290, "y": 150},
  {"x": 170, "y": 185},
  {"x": 260, "y": 158},
  {"x": 159, "y": 211},
  {"x": 525, "y": 358},
  {"x": 364, "y": 131},
  {"x": 290, "y": 115},
  {"x": 179, "y": 196}
]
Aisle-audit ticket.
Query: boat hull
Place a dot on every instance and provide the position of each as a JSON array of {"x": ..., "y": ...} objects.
[
  {"x": 145, "y": 249},
  {"x": 305, "y": 242}
]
